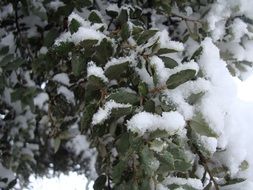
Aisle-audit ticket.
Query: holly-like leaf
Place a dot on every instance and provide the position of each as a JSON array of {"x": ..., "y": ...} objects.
[
  {"x": 200, "y": 126},
  {"x": 125, "y": 31},
  {"x": 115, "y": 71},
  {"x": 100, "y": 183},
  {"x": 117, "y": 171},
  {"x": 180, "y": 78},
  {"x": 74, "y": 26},
  {"x": 78, "y": 64},
  {"x": 169, "y": 62},
  {"x": 124, "y": 97},
  {"x": 145, "y": 36},
  {"x": 94, "y": 17}
]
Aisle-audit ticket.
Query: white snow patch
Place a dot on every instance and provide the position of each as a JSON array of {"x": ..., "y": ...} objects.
[
  {"x": 62, "y": 78},
  {"x": 92, "y": 69},
  {"x": 195, "y": 183},
  {"x": 103, "y": 113},
  {"x": 69, "y": 95},
  {"x": 146, "y": 122}
]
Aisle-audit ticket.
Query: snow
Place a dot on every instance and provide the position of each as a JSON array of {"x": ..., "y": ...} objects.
[
  {"x": 81, "y": 35},
  {"x": 103, "y": 113},
  {"x": 92, "y": 69},
  {"x": 81, "y": 147},
  {"x": 40, "y": 100},
  {"x": 85, "y": 32},
  {"x": 5, "y": 11},
  {"x": 194, "y": 183},
  {"x": 5, "y": 173},
  {"x": 165, "y": 42},
  {"x": 113, "y": 7},
  {"x": 62, "y": 78},
  {"x": 147, "y": 122},
  {"x": 69, "y": 95},
  {"x": 210, "y": 143},
  {"x": 55, "y": 4},
  {"x": 239, "y": 29}
]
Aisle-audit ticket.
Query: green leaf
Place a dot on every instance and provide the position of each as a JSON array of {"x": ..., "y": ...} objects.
[
  {"x": 145, "y": 184},
  {"x": 169, "y": 62},
  {"x": 57, "y": 143},
  {"x": 4, "y": 50},
  {"x": 99, "y": 183},
  {"x": 233, "y": 181},
  {"x": 103, "y": 52},
  {"x": 123, "y": 17},
  {"x": 96, "y": 82},
  {"x": 86, "y": 119},
  {"x": 78, "y": 64},
  {"x": 147, "y": 160},
  {"x": 165, "y": 51},
  {"x": 244, "y": 165},
  {"x": 15, "y": 64},
  {"x": 143, "y": 89},
  {"x": 200, "y": 126},
  {"x": 136, "y": 31},
  {"x": 180, "y": 78},
  {"x": 115, "y": 71},
  {"x": 145, "y": 36},
  {"x": 117, "y": 171},
  {"x": 74, "y": 26},
  {"x": 158, "y": 134},
  {"x": 94, "y": 17},
  {"x": 124, "y": 97},
  {"x": 64, "y": 48},
  {"x": 125, "y": 32},
  {"x": 87, "y": 44},
  {"x": 50, "y": 37},
  {"x": 166, "y": 158},
  {"x": 122, "y": 144},
  {"x": 112, "y": 13},
  {"x": 6, "y": 59},
  {"x": 149, "y": 106},
  {"x": 194, "y": 98},
  {"x": 182, "y": 166},
  {"x": 119, "y": 112},
  {"x": 197, "y": 53}
]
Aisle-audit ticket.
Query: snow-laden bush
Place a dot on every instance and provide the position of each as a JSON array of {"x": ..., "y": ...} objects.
[{"x": 135, "y": 94}]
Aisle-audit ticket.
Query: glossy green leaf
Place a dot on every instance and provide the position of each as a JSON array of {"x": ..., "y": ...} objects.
[
  {"x": 180, "y": 78},
  {"x": 94, "y": 17},
  {"x": 74, "y": 26},
  {"x": 124, "y": 97},
  {"x": 200, "y": 126},
  {"x": 145, "y": 36},
  {"x": 169, "y": 62},
  {"x": 99, "y": 183},
  {"x": 115, "y": 71}
]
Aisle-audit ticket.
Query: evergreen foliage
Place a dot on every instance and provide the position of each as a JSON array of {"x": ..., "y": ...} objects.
[{"x": 130, "y": 77}]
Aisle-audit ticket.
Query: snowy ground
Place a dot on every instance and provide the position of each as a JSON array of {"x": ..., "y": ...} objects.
[{"x": 78, "y": 182}]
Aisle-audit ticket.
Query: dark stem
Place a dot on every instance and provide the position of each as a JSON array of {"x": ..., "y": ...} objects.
[{"x": 202, "y": 159}]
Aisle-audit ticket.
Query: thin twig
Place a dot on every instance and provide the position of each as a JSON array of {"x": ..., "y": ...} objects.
[
  {"x": 186, "y": 18},
  {"x": 203, "y": 160}
]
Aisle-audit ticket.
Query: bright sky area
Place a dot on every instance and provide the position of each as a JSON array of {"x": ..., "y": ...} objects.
[{"x": 78, "y": 182}]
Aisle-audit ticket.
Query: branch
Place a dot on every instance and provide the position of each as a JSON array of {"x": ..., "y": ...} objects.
[
  {"x": 203, "y": 160},
  {"x": 186, "y": 18}
]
